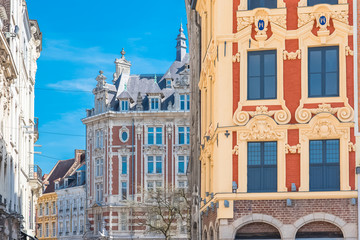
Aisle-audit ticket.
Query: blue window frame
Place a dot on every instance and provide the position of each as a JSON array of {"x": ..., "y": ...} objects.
[
  {"x": 315, "y": 2},
  {"x": 183, "y": 162},
  {"x": 262, "y": 167},
  {"x": 252, "y": 4},
  {"x": 324, "y": 165},
  {"x": 155, "y": 135},
  {"x": 184, "y": 135},
  {"x": 262, "y": 75},
  {"x": 187, "y": 101},
  {"x": 124, "y": 105},
  {"x": 123, "y": 165},
  {"x": 154, "y": 104},
  {"x": 323, "y": 71},
  {"x": 155, "y": 164},
  {"x": 168, "y": 83}
]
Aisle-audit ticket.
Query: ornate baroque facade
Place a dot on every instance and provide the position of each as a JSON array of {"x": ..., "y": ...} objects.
[
  {"x": 137, "y": 141},
  {"x": 277, "y": 119},
  {"x": 20, "y": 47}
]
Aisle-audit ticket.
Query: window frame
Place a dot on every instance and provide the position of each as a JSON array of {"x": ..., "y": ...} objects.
[
  {"x": 262, "y": 166},
  {"x": 124, "y": 161},
  {"x": 184, "y": 133},
  {"x": 185, "y": 161},
  {"x": 310, "y": 5},
  {"x": 154, "y": 161},
  {"x": 124, "y": 193},
  {"x": 154, "y": 103},
  {"x": 154, "y": 135},
  {"x": 323, "y": 71},
  {"x": 248, "y": 3},
  {"x": 124, "y": 104},
  {"x": 262, "y": 76},
  {"x": 324, "y": 164}
]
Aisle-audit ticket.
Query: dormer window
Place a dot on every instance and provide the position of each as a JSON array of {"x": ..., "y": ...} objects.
[
  {"x": 168, "y": 83},
  {"x": 78, "y": 178},
  {"x": 124, "y": 105},
  {"x": 65, "y": 182},
  {"x": 154, "y": 104},
  {"x": 56, "y": 185},
  {"x": 252, "y": 4}
]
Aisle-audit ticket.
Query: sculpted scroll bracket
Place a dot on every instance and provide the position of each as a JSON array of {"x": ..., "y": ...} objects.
[
  {"x": 351, "y": 147},
  {"x": 292, "y": 149},
  {"x": 292, "y": 55}
]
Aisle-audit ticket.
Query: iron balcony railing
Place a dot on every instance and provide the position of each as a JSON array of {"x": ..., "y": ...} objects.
[{"x": 35, "y": 172}]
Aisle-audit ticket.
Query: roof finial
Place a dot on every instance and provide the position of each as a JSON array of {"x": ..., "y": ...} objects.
[
  {"x": 123, "y": 53},
  {"x": 155, "y": 79},
  {"x": 181, "y": 27},
  {"x": 125, "y": 86}
]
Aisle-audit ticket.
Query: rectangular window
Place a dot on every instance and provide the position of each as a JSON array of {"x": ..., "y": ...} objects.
[
  {"x": 123, "y": 165},
  {"x": 315, "y": 2},
  {"x": 168, "y": 83},
  {"x": 323, "y": 72},
  {"x": 53, "y": 229},
  {"x": 99, "y": 167},
  {"x": 67, "y": 227},
  {"x": 46, "y": 230},
  {"x": 155, "y": 135},
  {"x": 324, "y": 165},
  {"x": 40, "y": 230},
  {"x": 53, "y": 208},
  {"x": 123, "y": 220},
  {"x": 262, "y": 75},
  {"x": 154, "y": 167},
  {"x": 99, "y": 192},
  {"x": 40, "y": 209},
  {"x": 150, "y": 186},
  {"x": 154, "y": 104},
  {"x": 78, "y": 178},
  {"x": 46, "y": 209},
  {"x": 158, "y": 185},
  {"x": 61, "y": 228},
  {"x": 181, "y": 184},
  {"x": 182, "y": 102},
  {"x": 185, "y": 102},
  {"x": 124, "y": 105},
  {"x": 262, "y": 167},
  {"x": 184, "y": 135},
  {"x": 182, "y": 164},
  {"x": 124, "y": 190},
  {"x": 252, "y": 4}
]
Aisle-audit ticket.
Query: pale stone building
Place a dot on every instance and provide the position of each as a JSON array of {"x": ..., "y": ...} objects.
[
  {"x": 138, "y": 140},
  {"x": 20, "y": 47}
]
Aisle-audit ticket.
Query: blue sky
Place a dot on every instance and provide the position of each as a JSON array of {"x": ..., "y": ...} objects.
[{"x": 80, "y": 37}]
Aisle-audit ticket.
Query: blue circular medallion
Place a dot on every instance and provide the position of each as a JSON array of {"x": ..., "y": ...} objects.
[
  {"x": 261, "y": 24},
  {"x": 322, "y": 20}
]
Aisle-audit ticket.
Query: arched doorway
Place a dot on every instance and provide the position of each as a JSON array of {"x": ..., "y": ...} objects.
[
  {"x": 319, "y": 230},
  {"x": 257, "y": 230}
]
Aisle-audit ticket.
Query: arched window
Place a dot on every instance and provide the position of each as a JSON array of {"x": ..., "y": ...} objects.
[{"x": 319, "y": 230}]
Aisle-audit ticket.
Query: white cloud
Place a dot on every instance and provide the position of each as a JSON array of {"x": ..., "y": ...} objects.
[{"x": 80, "y": 84}]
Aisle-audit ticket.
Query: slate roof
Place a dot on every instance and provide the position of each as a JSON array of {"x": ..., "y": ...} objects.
[
  {"x": 59, "y": 171},
  {"x": 146, "y": 85}
]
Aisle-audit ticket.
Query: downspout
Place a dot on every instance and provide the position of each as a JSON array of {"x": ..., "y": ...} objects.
[
  {"x": 133, "y": 173},
  {"x": 356, "y": 101}
]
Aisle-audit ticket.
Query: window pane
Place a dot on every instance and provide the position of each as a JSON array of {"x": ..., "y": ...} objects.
[
  {"x": 332, "y": 151},
  {"x": 254, "y": 88},
  {"x": 269, "y": 87},
  {"x": 254, "y": 64},
  {"x": 331, "y": 59},
  {"x": 331, "y": 87},
  {"x": 150, "y": 164},
  {"x": 315, "y": 85},
  {"x": 158, "y": 167},
  {"x": 262, "y": 3},
  {"x": 270, "y": 64},
  {"x": 270, "y": 153},
  {"x": 150, "y": 135},
  {"x": 254, "y": 153},
  {"x": 124, "y": 165},
  {"x": 314, "y": 2},
  {"x": 315, "y": 60},
  {"x": 181, "y": 167},
  {"x": 316, "y": 152}
]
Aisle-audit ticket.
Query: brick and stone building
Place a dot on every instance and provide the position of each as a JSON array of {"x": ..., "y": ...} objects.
[
  {"x": 277, "y": 119},
  {"x": 50, "y": 213},
  {"x": 20, "y": 47},
  {"x": 137, "y": 141}
]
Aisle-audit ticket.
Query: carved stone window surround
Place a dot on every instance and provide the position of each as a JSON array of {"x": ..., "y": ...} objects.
[
  {"x": 325, "y": 126},
  {"x": 261, "y": 128},
  {"x": 303, "y": 3},
  {"x": 338, "y": 38}
]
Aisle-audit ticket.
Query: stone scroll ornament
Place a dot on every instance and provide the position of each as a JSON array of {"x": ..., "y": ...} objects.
[
  {"x": 242, "y": 117},
  {"x": 344, "y": 114}
]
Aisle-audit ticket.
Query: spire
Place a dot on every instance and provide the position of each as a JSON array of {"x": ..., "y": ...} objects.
[
  {"x": 181, "y": 44},
  {"x": 155, "y": 79}
]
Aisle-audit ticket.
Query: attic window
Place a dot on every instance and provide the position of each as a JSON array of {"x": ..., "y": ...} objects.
[
  {"x": 154, "y": 104},
  {"x": 168, "y": 83},
  {"x": 66, "y": 182},
  {"x": 56, "y": 185},
  {"x": 124, "y": 105},
  {"x": 79, "y": 178}
]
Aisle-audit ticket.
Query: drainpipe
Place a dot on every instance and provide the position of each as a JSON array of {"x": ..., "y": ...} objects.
[{"x": 133, "y": 173}]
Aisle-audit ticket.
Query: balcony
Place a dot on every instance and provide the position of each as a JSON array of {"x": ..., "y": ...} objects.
[
  {"x": 36, "y": 129},
  {"x": 35, "y": 176}
]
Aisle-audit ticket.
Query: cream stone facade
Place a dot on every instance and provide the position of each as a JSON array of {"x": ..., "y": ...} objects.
[
  {"x": 236, "y": 203},
  {"x": 20, "y": 47}
]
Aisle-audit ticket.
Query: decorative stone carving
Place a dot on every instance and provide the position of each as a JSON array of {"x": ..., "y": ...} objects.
[
  {"x": 339, "y": 15},
  {"x": 242, "y": 117},
  {"x": 183, "y": 149},
  {"x": 292, "y": 55},
  {"x": 243, "y": 22},
  {"x": 124, "y": 151},
  {"x": 324, "y": 128},
  {"x": 292, "y": 149},
  {"x": 236, "y": 57},
  {"x": 344, "y": 114},
  {"x": 154, "y": 149},
  {"x": 351, "y": 147},
  {"x": 235, "y": 151},
  {"x": 266, "y": 15},
  {"x": 348, "y": 51},
  {"x": 261, "y": 130},
  {"x": 278, "y": 20},
  {"x": 261, "y": 110}
]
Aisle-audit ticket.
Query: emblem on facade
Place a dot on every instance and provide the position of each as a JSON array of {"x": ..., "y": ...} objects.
[
  {"x": 292, "y": 55},
  {"x": 261, "y": 130}
]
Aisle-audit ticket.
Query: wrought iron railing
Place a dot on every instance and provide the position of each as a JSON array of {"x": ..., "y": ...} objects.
[{"x": 35, "y": 172}]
